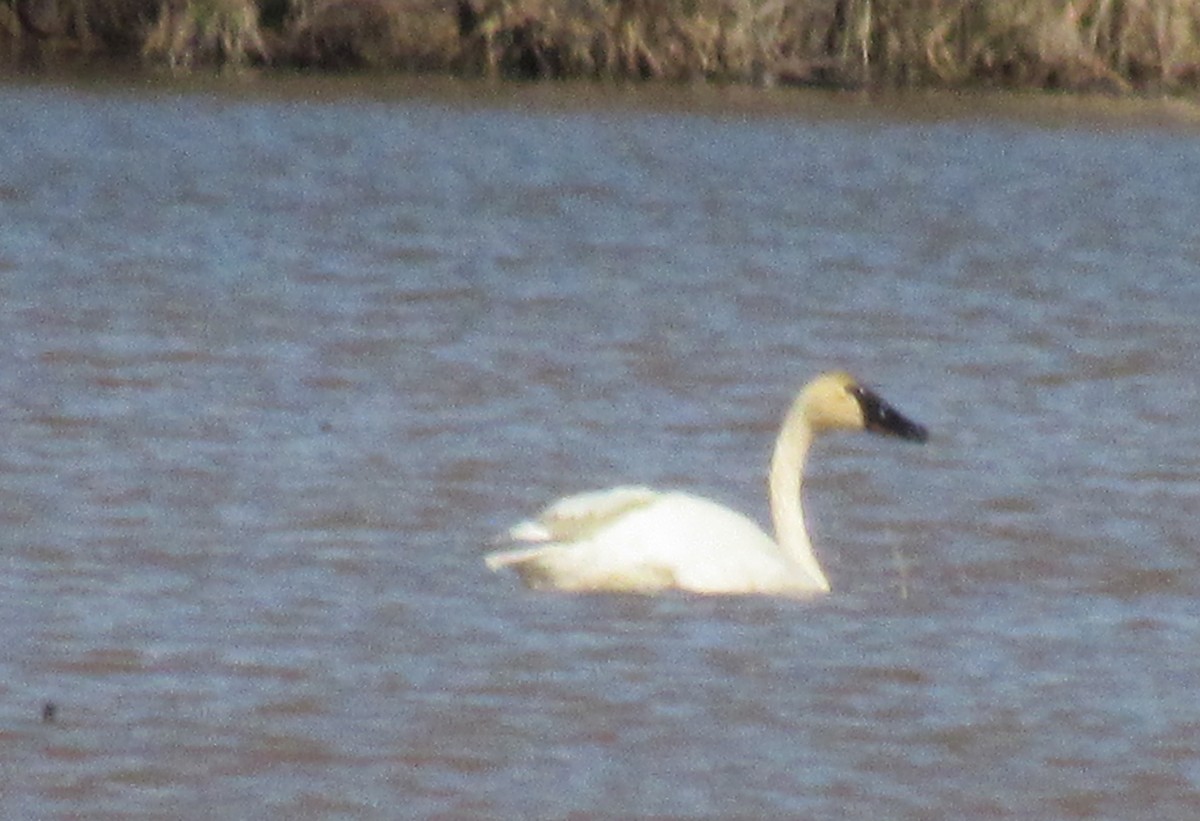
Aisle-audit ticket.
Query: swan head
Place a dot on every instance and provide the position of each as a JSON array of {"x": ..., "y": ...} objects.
[{"x": 837, "y": 401}]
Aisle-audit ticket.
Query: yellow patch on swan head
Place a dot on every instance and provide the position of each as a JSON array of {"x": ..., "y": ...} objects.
[{"x": 828, "y": 403}]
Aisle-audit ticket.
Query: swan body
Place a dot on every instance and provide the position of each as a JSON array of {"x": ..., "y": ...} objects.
[{"x": 635, "y": 539}]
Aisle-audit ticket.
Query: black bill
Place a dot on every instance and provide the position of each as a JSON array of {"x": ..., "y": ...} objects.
[{"x": 880, "y": 417}]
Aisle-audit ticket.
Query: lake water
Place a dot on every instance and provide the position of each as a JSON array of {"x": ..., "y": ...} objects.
[{"x": 278, "y": 362}]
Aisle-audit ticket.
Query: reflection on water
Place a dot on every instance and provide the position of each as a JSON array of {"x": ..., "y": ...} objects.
[{"x": 275, "y": 371}]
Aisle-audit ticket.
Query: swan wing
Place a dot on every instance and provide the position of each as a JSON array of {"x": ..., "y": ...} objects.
[
  {"x": 575, "y": 518},
  {"x": 707, "y": 547}
]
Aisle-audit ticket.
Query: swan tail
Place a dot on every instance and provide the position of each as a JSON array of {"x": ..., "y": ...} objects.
[{"x": 509, "y": 558}]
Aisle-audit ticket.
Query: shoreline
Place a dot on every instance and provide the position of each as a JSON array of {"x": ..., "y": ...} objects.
[
  {"x": 923, "y": 107},
  {"x": 1089, "y": 46}
]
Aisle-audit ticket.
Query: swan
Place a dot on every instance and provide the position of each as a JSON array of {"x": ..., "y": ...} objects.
[{"x": 639, "y": 540}]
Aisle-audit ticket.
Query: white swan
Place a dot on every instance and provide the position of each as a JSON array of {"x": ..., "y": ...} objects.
[{"x": 635, "y": 539}]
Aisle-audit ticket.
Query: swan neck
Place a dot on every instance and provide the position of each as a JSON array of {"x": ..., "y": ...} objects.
[{"x": 786, "y": 476}]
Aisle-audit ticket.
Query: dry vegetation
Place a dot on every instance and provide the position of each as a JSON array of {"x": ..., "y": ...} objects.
[{"x": 1075, "y": 44}]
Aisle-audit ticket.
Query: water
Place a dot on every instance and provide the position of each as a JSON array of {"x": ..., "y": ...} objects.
[{"x": 276, "y": 365}]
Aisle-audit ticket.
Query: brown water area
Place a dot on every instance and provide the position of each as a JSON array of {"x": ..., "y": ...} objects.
[{"x": 279, "y": 361}]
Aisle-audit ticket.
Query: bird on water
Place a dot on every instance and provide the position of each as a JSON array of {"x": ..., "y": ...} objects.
[{"x": 635, "y": 539}]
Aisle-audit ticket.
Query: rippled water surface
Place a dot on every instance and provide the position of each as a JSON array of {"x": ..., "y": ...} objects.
[{"x": 276, "y": 365}]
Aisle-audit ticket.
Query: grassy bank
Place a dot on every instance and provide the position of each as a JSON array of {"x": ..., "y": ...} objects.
[{"x": 1113, "y": 45}]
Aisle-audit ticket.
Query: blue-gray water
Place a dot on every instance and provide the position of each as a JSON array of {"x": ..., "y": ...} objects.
[{"x": 275, "y": 368}]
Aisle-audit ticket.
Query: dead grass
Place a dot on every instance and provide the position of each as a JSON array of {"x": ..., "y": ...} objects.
[
  {"x": 379, "y": 34},
  {"x": 43, "y": 32},
  {"x": 189, "y": 33},
  {"x": 1114, "y": 45}
]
